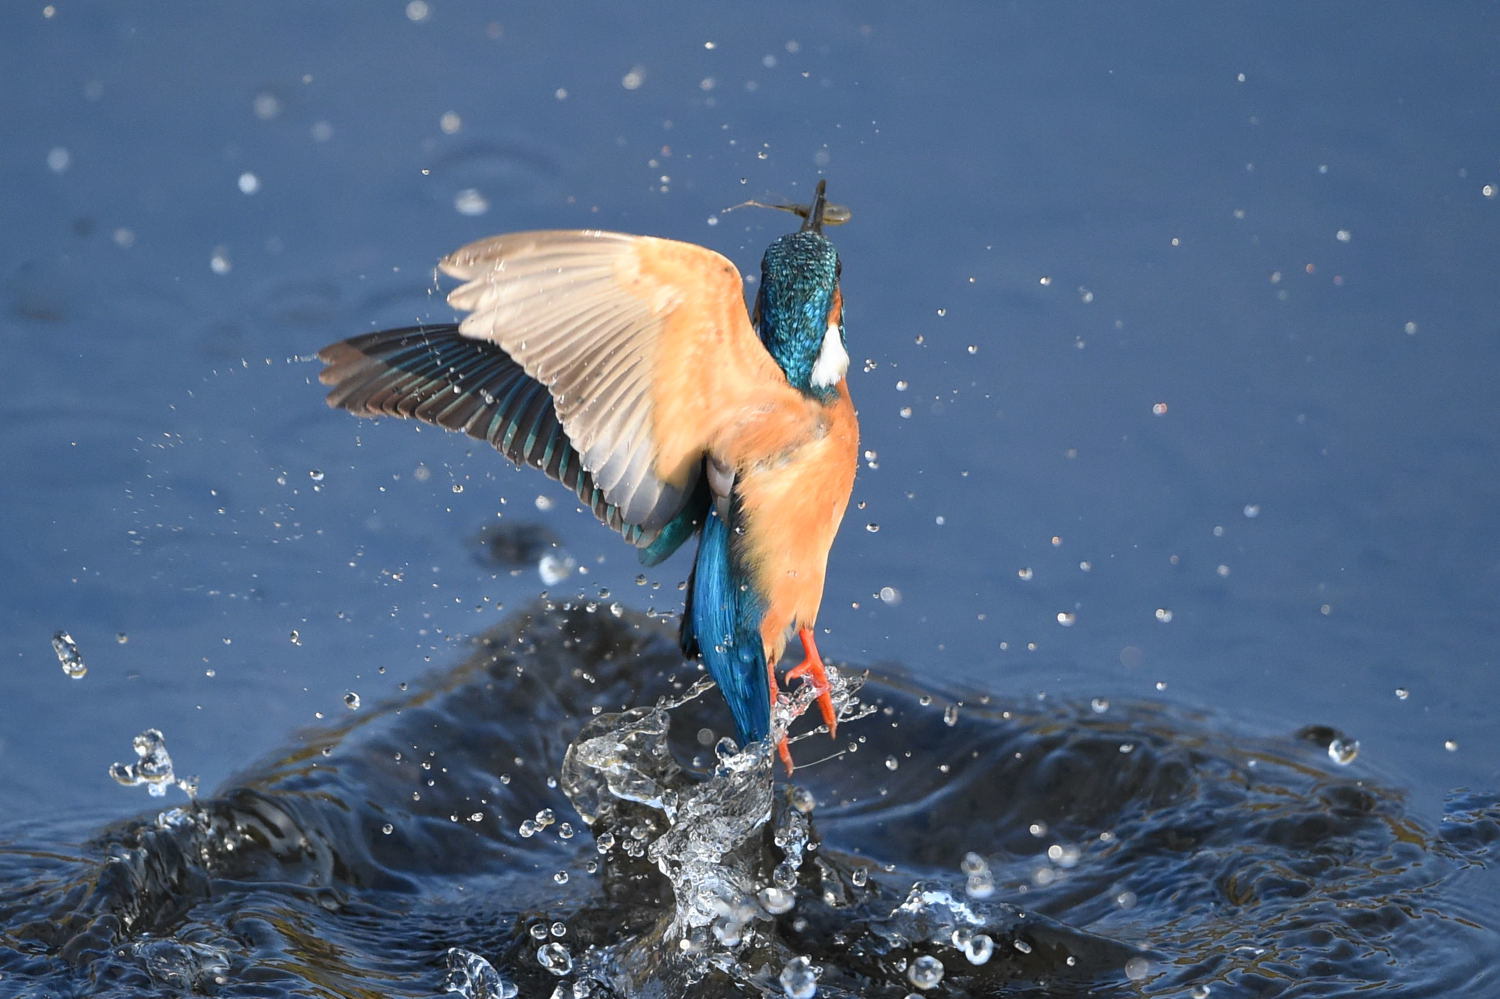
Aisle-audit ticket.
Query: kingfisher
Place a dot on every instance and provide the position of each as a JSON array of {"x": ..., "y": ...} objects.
[{"x": 629, "y": 369}]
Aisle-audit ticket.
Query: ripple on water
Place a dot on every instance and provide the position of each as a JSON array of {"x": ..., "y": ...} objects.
[{"x": 1017, "y": 850}]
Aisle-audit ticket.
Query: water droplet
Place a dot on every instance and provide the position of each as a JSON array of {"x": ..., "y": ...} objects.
[
  {"x": 1451, "y": 745},
  {"x": 873, "y": 528},
  {"x": 776, "y": 900},
  {"x": 554, "y": 568},
  {"x": 1200, "y": 992},
  {"x": 950, "y": 715},
  {"x": 59, "y": 159},
  {"x": 387, "y": 828},
  {"x": 1023, "y": 946},
  {"x": 860, "y": 876},
  {"x": 555, "y": 958},
  {"x": 1066, "y": 618},
  {"x": 1342, "y": 750},
  {"x": 1137, "y": 968},
  {"x": 219, "y": 261},
  {"x": 1252, "y": 510},
  {"x": 890, "y": 595},
  {"x": 1024, "y": 574},
  {"x": 470, "y": 201},
  {"x": 153, "y": 767},
  {"x": 351, "y": 700},
  {"x": 1163, "y": 615},
  {"x": 68, "y": 656},
  {"x": 1402, "y": 693},
  {"x": 1099, "y": 705},
  {"x": 296, "y": 637},
  {"x": 891, "y": 763},
  {"x": 799, "y": 979},
  {"x": 925, "y": 972},
  {"x": 472, "y": 977}
]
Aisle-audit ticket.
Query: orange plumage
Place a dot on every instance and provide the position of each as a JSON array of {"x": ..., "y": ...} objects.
[{"x": 628, "y": 368}]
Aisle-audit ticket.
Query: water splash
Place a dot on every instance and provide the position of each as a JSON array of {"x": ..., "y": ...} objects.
[
  {"x": 1240, "y": 858},
  {"x": 153, "y": 767},
  {"x": 68, "y": 655},
  {"x": 472, "y": 977}
]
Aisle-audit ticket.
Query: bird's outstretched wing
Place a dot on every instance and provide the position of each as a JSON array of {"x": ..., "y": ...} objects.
[
  {"x": 438, "y": 375},
  {"x": 642, "y": 345}
]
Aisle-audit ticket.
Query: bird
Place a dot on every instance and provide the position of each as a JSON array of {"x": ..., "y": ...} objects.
[{"x": 629, "y": 369}]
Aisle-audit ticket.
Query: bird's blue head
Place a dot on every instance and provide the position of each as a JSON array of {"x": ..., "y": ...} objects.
[{"x": 799, "y": 310}]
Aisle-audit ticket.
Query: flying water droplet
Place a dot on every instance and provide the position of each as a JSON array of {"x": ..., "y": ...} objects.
[
  {"x": 153, "y": 767},
  {"x": 1342, "y": 750},
  {"x": 472, "y": 977},
  {"x": 68, "y": 655},
  {"x": 351, "y": 700},
  {"x": 799, "y": 980},
  {"x": 776, "y": 900},
  {"x": 925, "y": 972},
  {"x": 555, "y": 958},
  {"x": 554, "y": 568}
]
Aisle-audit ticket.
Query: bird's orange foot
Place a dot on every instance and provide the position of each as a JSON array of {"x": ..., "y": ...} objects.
[
  {"x": 812, "y": 668},
  {"x": 783, "y": 748}
]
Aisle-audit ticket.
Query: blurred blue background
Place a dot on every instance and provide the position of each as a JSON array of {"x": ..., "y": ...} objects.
[{"x": 1174, "y": 330}]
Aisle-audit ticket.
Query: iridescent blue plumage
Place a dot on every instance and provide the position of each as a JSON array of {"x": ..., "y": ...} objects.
[
  {"x": 721, "y": 622},
  {"x": 723, "y": 616}
]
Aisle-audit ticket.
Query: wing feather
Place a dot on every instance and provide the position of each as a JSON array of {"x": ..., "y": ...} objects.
[{"x": 644, "y": 344}]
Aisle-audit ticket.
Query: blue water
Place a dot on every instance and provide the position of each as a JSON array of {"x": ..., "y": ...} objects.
[{"x": 1277, "y": 222}]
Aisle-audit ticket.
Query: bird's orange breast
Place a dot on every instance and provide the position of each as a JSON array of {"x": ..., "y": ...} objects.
[{"x": 792, "y": 498}]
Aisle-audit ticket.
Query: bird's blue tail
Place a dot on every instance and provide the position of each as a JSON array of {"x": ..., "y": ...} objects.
[{"x": 724, "y": 614}]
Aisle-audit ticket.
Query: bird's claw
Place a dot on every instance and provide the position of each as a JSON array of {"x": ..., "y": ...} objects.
[{"x": 812, "y": 668}]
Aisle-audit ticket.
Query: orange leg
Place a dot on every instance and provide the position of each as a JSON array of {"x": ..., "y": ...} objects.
[
  {"x": 783, "y": 748},
  {"x": 812, "y": 667}
]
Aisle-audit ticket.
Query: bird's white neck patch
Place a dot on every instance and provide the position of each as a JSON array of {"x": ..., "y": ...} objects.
[{"x": 833, "y": 360}]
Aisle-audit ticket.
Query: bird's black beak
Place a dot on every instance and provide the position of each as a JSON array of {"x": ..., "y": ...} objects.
[{"x": 813, "y": 221}]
